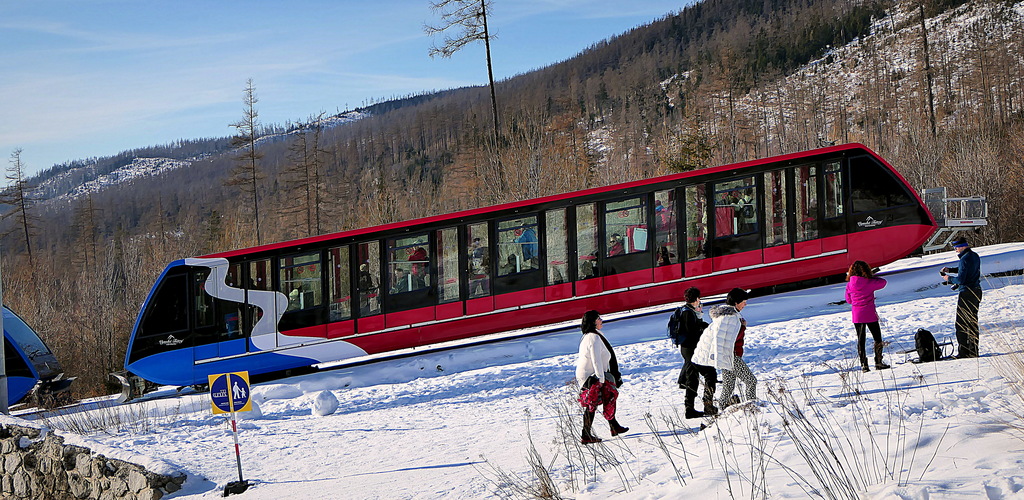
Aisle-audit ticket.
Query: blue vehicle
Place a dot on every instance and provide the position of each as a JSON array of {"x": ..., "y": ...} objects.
[{"x": 33, "y": 373}]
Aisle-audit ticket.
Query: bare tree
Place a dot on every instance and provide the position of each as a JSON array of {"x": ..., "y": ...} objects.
[
  {"x": 246, "y": 174},
  {"x": 471, "y": 17},
  {"x": 19, "y": 197}
]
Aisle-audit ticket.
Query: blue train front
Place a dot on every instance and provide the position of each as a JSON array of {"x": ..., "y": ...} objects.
[
  {"x": 32, "y": 370},
  {"x": 198, "y": 320}
]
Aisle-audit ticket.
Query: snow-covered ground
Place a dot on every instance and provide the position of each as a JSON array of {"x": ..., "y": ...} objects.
[{"x": 459, "y": 424}]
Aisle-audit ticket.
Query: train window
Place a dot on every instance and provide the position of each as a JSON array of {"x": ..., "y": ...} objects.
[
  {"x": 204, "y": 312},
  {"x": 408, "y": 263},
  {"x": 234, "y": 276},
  {"x": 166, "y": 312},
  {"x": 16, "y": 365},
  {"x": 213, "y": 319},
  {"x": 518, "y": 246},
  {"x": 625, "y": 224},
  {"x": 258, "y": 279},
  {"x": 587, "y": 241},
  {"x": 735, "y": 207},
  {"x": 234, "y": 279},
  {"x": 300, "y": 281},
  {"x": 556, "y": 239},
  {"x": 447, "y": 265},
  {"x": 478, "y": 260},
  {"x": 875, "y": 188},
  {"x": 368, "y": 255},
  {"x": 833, "y": 190},
  {"x": 775, "y": 213},
  {"x": 259, "y": 276},
  {"x": 696, "y": 222},
  {"x": 806, "y": 203},
  {"x": 339, "y": 284},
  {"x": 24, "y": 336},
  {"x": 666, "y": 232}
]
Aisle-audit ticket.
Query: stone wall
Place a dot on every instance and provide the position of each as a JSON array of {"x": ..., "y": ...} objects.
[{"x": 36, "y": 464}]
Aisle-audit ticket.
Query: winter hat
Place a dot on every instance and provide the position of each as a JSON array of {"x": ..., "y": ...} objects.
[{"x": 960, "y": 243}]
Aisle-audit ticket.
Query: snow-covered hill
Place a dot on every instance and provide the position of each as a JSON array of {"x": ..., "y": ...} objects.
[{"x": 57, "y": 188}]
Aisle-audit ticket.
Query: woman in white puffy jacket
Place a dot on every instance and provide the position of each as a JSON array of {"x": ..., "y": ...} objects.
[
  {"x": 597, "y": 372},
  {"x": 718, "y": 343}
]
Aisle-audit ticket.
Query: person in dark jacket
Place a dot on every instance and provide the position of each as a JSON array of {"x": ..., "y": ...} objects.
[
  {"x": 968, "y": 281},
  {"x": 689, "y": 326}
]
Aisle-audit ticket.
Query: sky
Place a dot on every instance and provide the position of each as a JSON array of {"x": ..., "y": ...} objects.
[
  {"x": 92, "y": 78},
  {"x": 449, "y": 424}
]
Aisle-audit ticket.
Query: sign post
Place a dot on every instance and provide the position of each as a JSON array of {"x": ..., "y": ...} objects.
[{"x": 229, "y": 393}]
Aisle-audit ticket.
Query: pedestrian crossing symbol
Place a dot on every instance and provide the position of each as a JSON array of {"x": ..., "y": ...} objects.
[{"x": 229, "y": 392}]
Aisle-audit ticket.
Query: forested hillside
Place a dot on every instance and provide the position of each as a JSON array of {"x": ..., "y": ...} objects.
[{"x": 935, "y": 87}]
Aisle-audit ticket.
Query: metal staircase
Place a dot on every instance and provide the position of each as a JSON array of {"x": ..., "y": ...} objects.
[{"x": 953, "y": 216}]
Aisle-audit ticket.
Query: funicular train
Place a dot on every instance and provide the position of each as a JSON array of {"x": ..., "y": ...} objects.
[
  {"x": 33, "y": 374},
  {"x": 379, "y": 289}
]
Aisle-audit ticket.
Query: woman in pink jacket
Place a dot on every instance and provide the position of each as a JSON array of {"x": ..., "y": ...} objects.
[{"x": 860, "y": 294}]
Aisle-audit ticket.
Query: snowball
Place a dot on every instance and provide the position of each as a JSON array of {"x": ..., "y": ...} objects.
[{"x": 324, "y": 403}]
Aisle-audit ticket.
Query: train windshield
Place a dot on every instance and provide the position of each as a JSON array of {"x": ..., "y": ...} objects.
[
  {"x": 39, "y": 356},
  {"x": 24, "y": 336}
]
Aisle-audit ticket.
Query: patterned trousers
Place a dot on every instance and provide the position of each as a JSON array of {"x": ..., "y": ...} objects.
[{"x": 742, "y": 372}]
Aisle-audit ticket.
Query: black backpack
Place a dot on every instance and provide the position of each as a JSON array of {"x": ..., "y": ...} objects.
[
  {"x": 673, "y": 326},
  {"x": 926, "y": 346}
]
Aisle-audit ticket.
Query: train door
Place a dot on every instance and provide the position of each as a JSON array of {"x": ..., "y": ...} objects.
[
  {"x": 833, "y": 222},
  {"x": 369, "y": 282},
  {"x": 300, "y": 278},
  {"x": 667, "y": 250},
  {"x": 449, "y": 305},
  {"x": 339, "y": 293},
  {"x": 479, "y": 269},
  {"x": 556, "y": 239},
  {"x": 806, "y": 211},
  {"x": 697, "y": 241},
  {"x": 263, "y": 307},
  {"x": 777, "y": 239},
  {"x": 737, "y": 224},
  {"x": 588, "y": 253},
  {"x": 215, "y": 322}
]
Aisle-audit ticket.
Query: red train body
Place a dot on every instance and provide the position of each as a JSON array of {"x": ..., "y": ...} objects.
[{"x": 753, "y": 224}]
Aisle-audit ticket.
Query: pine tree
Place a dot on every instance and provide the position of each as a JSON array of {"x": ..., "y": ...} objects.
[
  {"x": 20, "y": 197},
  {"x": 246, "y": 174}
]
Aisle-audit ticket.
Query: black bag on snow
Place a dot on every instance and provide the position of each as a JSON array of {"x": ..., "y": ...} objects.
[{"x": 926, "y": 346}]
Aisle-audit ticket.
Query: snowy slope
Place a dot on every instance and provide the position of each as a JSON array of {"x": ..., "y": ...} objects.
[{"x": 450, "y": 424}]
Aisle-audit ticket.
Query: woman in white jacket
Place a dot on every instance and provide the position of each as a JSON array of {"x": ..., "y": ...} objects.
[
  {"x": 597, "y": 373},
  {"x": 718, "y": 344}
]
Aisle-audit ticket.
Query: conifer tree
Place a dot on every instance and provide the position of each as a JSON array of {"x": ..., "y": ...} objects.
[
  {"x": 20, "y": 197},
  {"x": 246, "y": 174}
]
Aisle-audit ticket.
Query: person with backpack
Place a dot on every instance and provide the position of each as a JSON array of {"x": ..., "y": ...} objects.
[
  {"x": 685, "y": 328},
  {"x": 968, "y": 281},
  {"x": 860, "y": 294}
]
